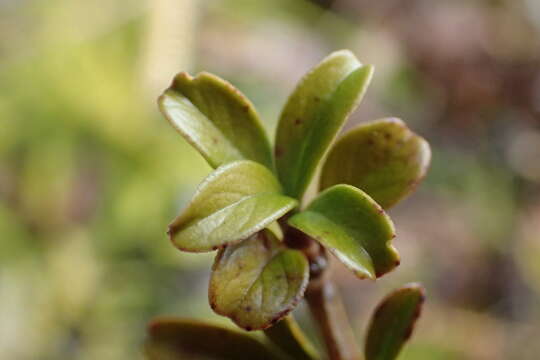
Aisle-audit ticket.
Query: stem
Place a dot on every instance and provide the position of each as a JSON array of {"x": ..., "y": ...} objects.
[
  {"x": 324, "y": 301},
  {"x": 328, "y": 311}
]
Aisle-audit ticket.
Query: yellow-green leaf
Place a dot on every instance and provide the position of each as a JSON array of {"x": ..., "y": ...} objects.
[
  {"x": 393, "y": 322},
  {"x": 178, "y": 339},
  {"x": 234, "y": 202},
  {"x": 383, "y": 158},
  {"x": 353, "y": 227},
  {"x": 314, "y": 114},
  {"x": 216, "y": 119},
  {"x": 257, "y": 282}
]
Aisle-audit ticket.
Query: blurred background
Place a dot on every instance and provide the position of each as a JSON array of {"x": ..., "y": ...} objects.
[{"x": 91, "y": 174}]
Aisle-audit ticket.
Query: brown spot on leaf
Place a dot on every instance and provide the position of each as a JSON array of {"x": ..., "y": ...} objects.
[
  {"x": 298, "y": 121},
  {"x": 279, "y": 151}
]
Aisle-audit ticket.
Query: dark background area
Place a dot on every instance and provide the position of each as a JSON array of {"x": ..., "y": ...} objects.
[{"x": 91, "y": 174}]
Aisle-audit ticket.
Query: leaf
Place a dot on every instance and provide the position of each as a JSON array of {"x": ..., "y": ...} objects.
[
  {"x": 257, "y": 282},
  {"x": 393, "y": 322},
  {"x": 353, "y": 227},
  {"x": 313, "y": 116},
  {"x": 234, "y": 202},
  {"x": 216, "y": 119},
  {"x": 178, "y": 339},
  {"x": 288, "y": 336},
  {"x": 383, "y": 158}
]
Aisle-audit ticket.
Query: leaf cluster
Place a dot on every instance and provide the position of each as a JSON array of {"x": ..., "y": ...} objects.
[{"x": 256, "y": 195}]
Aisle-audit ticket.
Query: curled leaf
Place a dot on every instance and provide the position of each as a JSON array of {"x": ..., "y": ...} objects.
[
  {"x": 314, "y": 114},
  {"x": 257, "y": 282},
  {"x": 383, "y": 158},
  {"x": 216, "y": 119},
  {"x": 178, "y": 339},
  {"x": 353, "y": 227},
  {"x": 234, "y": 202},
  {"x": 393, "y": 322}
]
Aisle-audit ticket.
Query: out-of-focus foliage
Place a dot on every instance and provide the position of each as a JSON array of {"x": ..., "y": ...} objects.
[
  {"x": 87, "y": 185},
  {"x": 90, "y": 174},
  {"x": 393, "y": 322},
  {"x": 174, "y": 339}
]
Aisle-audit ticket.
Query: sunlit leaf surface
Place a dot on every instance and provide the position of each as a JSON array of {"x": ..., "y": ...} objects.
[
  {"x": 216, "y": 119},
  {"x": 234, "y": 202},
  {"x": 313, "y": 115}
]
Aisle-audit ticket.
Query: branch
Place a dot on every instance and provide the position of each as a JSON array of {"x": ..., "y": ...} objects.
[{"x": 328, "y": 311}]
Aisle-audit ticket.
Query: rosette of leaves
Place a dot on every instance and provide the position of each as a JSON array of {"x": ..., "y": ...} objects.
[{"x": 251, "y": 209}]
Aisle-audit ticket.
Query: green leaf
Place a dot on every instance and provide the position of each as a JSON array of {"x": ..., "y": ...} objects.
[
  {"x": 216, "y": 119},
  {"x": 178, "y": 339},
  {"x": 393, "y": 322},
  {"x": 288, "y": 336},
  {"x": 313, "y": 116},
  {"x": 234, "y": 202},
  {"x": 383, "y": 158},
  {"x": 257, "y": 282},
  {"x": 353, "y": 227}
]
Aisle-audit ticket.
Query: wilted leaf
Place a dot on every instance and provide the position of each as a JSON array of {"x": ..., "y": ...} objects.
[
  {"x": 313, "y": 115},
  {"x": 383, "y": 158},
  {"x": 393, "y": 322},
  {"x": 257, "y": 282},
  {"x": 288, "y": 336},
  {"x": 216, "y": 119},
  {"x": 177, "y": 339},
  {"x": 353, "y": 227},
  {"x": 233, "y": 202}
]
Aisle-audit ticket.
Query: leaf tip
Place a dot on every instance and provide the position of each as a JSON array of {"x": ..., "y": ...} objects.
[{"x": 393, "y": 322}]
